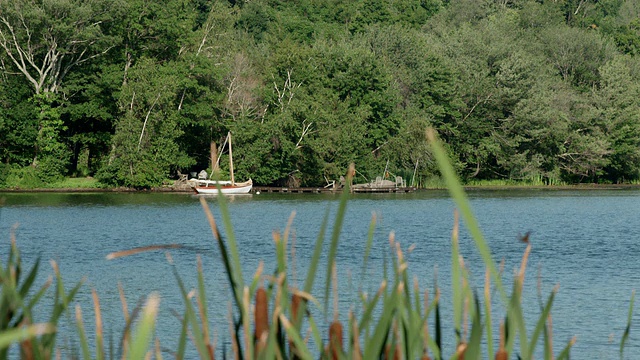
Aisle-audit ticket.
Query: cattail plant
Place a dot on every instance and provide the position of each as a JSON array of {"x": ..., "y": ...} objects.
[
  {"x": 261, "y": 319},
  {"x": 502, "y": 354}
]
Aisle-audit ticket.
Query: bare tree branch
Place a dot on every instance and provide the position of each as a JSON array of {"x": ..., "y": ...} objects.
[{"x": 146, "y": 118}]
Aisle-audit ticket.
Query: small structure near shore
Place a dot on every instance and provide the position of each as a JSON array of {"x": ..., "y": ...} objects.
[{"x": 380, "y": 185}]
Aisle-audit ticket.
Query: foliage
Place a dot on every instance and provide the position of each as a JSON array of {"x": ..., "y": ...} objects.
[
  {"x": 308, "y": 87},
  {"x": 52, "y": 156},
  {"x": 22, "y": 178},
  {"x": 144, "y": 152}
]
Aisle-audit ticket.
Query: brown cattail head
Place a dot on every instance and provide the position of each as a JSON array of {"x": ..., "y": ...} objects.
[
  {"x": 502, "y": 355},
  {"x": 396, "y": 352},
  {"x": 262, "y": 313},
  {"x": 335, "y": 340},
  {"x": 460, "y": 350},
  {"x": 26, "y": 350},
  {"x": 296, "y": 299}
]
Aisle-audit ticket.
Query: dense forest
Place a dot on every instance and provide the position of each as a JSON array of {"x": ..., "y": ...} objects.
[{"x": 132, "y": 92}]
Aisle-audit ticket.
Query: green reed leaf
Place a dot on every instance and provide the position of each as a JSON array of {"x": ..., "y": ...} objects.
[
  {"x": 488, "y": 317},
  {"x": 145, "y": 329},
  {"x": 202, "y": 305},
  {"x": 311, "y": 273},
  {"x": 566, "y": 352},
  {"x": 17, "y": 335},
  {"x": 182, "y": 339},
  {"x": 31, "y": 277},
  {"x": 301, "y": 348},
  {"x": 190, "y": 316},
  {"x": 367, "y": 316},
  {"x": 315, "y": 332},
  {"x": 335, "y": 235},
  {"x": 84, "y": 343},
  {"x": 473, "y": 347},
  {"x": 458, "y": 194},
  {"x": 374, "y": 346},
  {"x": 627, "y": 329},
  {"x": 456, "y": 282},
  {"x": 542, "y": 323},
  {"x": 438, "y": 328},
  {"x": 516, "y": 320},
  {"x": 317, "y": 253},
  {"x": 369, "y": 245},
  {"x": 233, "y": 245}
]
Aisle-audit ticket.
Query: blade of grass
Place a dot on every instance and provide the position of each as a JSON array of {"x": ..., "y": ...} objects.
[
  {"x": 542, "y": 322},
  {"x": 335, "y": 236},
  {"x": 315, "y": 332},
  {"x": 182, "y": 339},
  {"x": 190, "y": 314},
  {"x": 246, "y": 323},
  {"x": 31, "y": 277},
  {"x": 84, "y": 343},
  {"x": 438, "y": 327},
  {"x": 369, "y": 245},
  {"x": 229, "y": 266},
  {"x": 317, "y": 253},
  {"x": 458, "y": 194},
  {"x": 487, "y": 311},
  {"x": 375, "y": 345},
  {"x": 231, "y": 240},
  {"x": 367, "y": 316},
  {"x": 456, "y": 279},
  {"x": 566, "y": 352},
  {"x": 516, "y": 320},
  {"x": 202, "y": 304},
  {"x": 17, "y": 335},
  {"x": 627, "y": 329},
  {"x": 301, "y": 347},
  {"x": 99, "y": 336},
  {"x": 473, "y": 349},
  {"x": 144, "y": 331}
]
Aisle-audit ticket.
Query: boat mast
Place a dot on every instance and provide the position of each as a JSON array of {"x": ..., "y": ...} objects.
[
  {"x": 214, "y": 158},
  {"x": 230, "y": 159}
]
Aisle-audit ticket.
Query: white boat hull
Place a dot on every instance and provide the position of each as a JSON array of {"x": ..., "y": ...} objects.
[{"x": 210, "y": 187}]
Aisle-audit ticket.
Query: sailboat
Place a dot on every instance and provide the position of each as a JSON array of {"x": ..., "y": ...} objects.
[{"x": 226, "y": 187}]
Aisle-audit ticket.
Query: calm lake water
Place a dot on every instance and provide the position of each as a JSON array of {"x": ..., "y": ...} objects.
[{"x": 588, "y": 242}]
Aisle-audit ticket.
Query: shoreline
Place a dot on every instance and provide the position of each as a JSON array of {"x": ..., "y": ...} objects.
[{"x": 466, "y": 188}]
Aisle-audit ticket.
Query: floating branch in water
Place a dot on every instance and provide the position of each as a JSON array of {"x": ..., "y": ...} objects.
[{"x": 123, "y": 253}]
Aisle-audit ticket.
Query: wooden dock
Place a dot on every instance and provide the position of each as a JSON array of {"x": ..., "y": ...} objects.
[
  {"x": 293, "y": 190},
  {"x": 321, "y": 190}
]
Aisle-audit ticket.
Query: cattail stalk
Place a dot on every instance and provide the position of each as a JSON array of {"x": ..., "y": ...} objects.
[
  {"x": 425, "y": 355},
  {"x": 296, "y": 299},
  {"x": 262, "y": 312},
  {"x": 335, "y": 340},
  {"x": 501, "y": 354}
]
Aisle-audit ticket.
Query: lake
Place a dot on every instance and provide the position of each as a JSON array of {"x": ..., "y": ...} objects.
[{"x": 587, "y": 241}]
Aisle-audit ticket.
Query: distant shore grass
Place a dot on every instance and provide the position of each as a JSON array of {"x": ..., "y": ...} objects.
[
  {"x": 433, "y": 183},
  {"x": 76, "y": 183}
]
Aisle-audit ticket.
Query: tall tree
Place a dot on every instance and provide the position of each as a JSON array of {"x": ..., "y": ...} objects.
[
  {"x": 144, "y": 148},
  {"x": 618, "y": 107},
  {"x": 44, "y": 41}
]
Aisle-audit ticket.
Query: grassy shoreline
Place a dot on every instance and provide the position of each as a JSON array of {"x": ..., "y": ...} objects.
[{"x": 67, "y": 187}]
